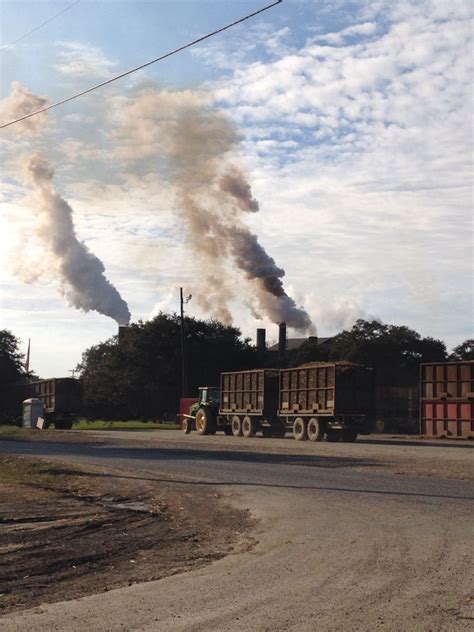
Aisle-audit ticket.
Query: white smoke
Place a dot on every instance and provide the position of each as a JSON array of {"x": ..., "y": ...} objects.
[
  {"x": 81, "y": 273},
  {"x": 214, "y": 197}
]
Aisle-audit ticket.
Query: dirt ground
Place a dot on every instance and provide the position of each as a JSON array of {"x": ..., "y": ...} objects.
[{"x": 70, "y": 532}]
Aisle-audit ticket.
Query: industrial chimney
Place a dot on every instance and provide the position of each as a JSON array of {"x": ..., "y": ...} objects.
[
  {"x": 281, "y": 344},
  {"x": 122, "y": 332},
  {"x": 261, "y": 346}
]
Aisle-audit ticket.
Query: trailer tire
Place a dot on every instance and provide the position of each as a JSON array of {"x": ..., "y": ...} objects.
[
  {"x": 228, "y": 430},
  {"x": 300, "y": 431},
  {"x": 332, "y": 436},
  {"x": 236, "y": 426},
  {"x": 249, "y": 427},
  {"x": 315, "y": 429},
  {"x": 349, "y": 436},
  {"x": 205, "y": 421},
  {"x": 186, "y": 425}
]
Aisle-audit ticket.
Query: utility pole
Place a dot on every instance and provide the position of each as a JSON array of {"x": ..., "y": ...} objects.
[{"x": 184, "y": 368}]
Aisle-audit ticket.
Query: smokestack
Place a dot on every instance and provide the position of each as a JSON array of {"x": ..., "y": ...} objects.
[
  {"x": 122, "y": 332},
  {"x": 261, "y": 345},
  {"x": 281, "y": 343}
]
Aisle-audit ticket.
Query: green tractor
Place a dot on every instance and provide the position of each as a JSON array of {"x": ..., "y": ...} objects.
[{"x": 204, "y": 413}]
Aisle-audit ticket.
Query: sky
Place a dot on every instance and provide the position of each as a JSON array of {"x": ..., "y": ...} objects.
[{"x": 351, "y": 122}]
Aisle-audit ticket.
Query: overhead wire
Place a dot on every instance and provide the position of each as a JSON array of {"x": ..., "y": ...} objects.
[
  {"x": 149, "y": 63},
  {"x": 40, "y": 25}
]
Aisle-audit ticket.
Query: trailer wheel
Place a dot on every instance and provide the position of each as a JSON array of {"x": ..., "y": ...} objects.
[
  {"x": 186, "y": 426},
  {"x": 315, "y": 429},
  {"x": 249, "y": 427},
  {"x": 332, "y": 436},
  {"x": 205, "y": 422},
  {"x": 349, "y": 436},
  {"x": 227, "y": 430},
  {"x": 236, "y": 426},
  {"x": 299, "y": 429}
]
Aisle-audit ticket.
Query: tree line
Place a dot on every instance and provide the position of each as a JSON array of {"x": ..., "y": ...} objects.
[{"x": 139, "y": 375}]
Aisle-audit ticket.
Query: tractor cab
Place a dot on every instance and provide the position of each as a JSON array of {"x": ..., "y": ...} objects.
[{"x": 209, "y": 396}]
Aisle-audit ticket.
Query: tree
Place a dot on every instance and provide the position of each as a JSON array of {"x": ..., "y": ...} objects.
[
  {"x": 139, "y": 376},
  {"x": 464, "y": 351},
  {"x": 394, "y": 351},
  {"x": 11, "y": 360},
  {"x": 12, "y": 375}
]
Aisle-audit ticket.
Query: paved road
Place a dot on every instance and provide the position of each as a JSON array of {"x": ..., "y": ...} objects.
[{"x": 337, "y": 546}]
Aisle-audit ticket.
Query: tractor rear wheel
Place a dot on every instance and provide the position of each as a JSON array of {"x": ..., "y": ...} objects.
[
  {"x": 299, "y": 429},
  {"x": 236, "y": 426},
  {"x": 315, "y": 429},
  {"x": 205, "y": 421},
  {"x": 333, "y": 435}
]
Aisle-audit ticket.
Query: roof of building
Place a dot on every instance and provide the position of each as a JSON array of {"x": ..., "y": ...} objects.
[{"x": 295, "y": 343}]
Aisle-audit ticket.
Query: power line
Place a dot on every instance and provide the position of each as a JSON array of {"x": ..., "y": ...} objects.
[
  {"x": 40, "y": 25},
  {"x": 149, "y": 63}
]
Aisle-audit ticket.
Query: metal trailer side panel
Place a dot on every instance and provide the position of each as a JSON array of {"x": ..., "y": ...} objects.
[
  {"x": 307, "y": 390},
  {"x": 249, "y": 392},
  {"x": 60, "y": 396},
  {"x": 355, "y": 393},
  {"x": 447, "y": 399}
]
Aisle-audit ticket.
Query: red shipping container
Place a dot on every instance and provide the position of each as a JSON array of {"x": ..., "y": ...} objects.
[{"x": 447, "y": 399}]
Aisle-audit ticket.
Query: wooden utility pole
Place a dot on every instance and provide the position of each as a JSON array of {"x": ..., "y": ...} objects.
[{"x": 184, "y": 367}]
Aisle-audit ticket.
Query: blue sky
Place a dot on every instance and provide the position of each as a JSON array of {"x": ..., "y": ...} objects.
[{"x": 354, "y": 121}]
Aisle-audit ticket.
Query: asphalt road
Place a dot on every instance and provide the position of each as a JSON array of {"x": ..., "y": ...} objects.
[{"x": 336, "y": 546}]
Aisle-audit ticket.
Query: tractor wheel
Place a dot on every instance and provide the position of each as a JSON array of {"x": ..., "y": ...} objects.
[
  {"x": 315, "y": 429},
  {"x": 299, "y": 429},
  {"x": 205, "y": 421},
  {"x": 236, "y": 426},
  {"x": 186, "y": 425},
  {"x": 349, "y": 436},
  {"x": 332, "y": 436},
  {"x": 59, "y": 425},
  {"x": 249, "y": 427},
  {"x": 227, "y": 430}
]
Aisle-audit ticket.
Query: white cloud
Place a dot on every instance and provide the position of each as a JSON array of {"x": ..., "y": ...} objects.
[{"x": 77, "y": 60}]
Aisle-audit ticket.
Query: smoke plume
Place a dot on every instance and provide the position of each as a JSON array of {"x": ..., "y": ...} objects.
[
  {"x": 81, "y": 273},
  {"x": 214, "y": 197},
  {"x": 20, "y": 102}
]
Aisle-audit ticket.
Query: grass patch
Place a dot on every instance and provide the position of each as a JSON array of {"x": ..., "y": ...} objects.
[
  {"x": 123, "y": 425},
  {"x": 14, "y": 431},
  {"x": 26, "y": 471}
]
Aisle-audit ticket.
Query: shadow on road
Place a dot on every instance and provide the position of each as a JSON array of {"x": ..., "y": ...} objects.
[
  {"x": 70, "y": 472},
  {"x": 188, "y": 454}
]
